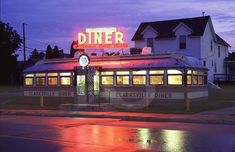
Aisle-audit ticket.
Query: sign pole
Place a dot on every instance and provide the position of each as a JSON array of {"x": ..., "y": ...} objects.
[{"x": 41, "y": 101}]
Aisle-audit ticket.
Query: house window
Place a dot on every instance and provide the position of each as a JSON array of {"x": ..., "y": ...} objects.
[
  {"x": 139, "y": 77},
  {"x": 156, "y": 77},
  {"x": 204, "y": 63},
  {"x": 215, "y": 68},
  {"x": 150, "y": 42},
  {"x": 182, "y": 41},
  {"x": 174, "y": 77},
  {"x": 218, "y": 51},
  {"x": 107, "y": 78},
  {"x": 211, "y": 45},
  {"x": 123, "y": 77}
]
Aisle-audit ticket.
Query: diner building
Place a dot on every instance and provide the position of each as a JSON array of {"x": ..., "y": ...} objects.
[{"x": 116, "y": 79}]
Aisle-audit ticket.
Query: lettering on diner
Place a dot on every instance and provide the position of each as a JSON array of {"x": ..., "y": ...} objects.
[
  {"x": 61, "y": 93},
  {"x": 98, "y": 38},
  {"x": 157, "y": 95}
]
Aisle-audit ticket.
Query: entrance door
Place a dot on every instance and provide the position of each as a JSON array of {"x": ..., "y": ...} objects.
[{"x": 81, "y": 84}]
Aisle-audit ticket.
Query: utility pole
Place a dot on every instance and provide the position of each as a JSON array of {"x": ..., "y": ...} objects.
[
  {"x": 24, "y": 42},
  {"x": 0, "y": 10}
]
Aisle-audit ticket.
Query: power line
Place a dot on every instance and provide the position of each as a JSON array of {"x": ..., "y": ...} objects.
[{"x": 44, "y": 43}]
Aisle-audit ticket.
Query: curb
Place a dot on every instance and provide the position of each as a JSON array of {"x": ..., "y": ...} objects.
[{"x": 124, "y": 118}]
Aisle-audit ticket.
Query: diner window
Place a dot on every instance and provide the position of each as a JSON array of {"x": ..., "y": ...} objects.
[
  {"x": 96, "y": 83},
  {"x": 29, "y": 78},
  {"x": 195, "y": 77},
  {"x": 139, "y": 77},
  {"x": 52, "y": 78},
  {"x": 107, "y": 77},
  {"x": 139, "y": 80},
  {"x": 174, "y": 77},
  {"x": 123, "y": 77},
  {"x": 182, "y": 41},
  {"x": 200, "y": 77},
  {"x": 200, "y": 80},
  {"x": 65, "y": 81},
  {"x": 40, "y": 79},
  {"x": 28, "y": 81},
  {"x": 65, "y": 78},
  {"x": 189, "y": 77},
  {"x": 156, "y": 77},
  {"x": 107, "y": 80}
]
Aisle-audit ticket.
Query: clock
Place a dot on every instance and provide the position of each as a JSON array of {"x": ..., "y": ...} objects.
[{"x": 84, "y": 60}]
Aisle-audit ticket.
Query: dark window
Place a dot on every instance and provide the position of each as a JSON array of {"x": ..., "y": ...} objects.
[
  {"x": 211, "y": 45},
  {"x": 204, "y": 63},
  {"x": 182, "y": 40},
  {"x": 218, "y": 51},
  {"x": 150, "y": 42},
  {"x": 215, "y": 68}
]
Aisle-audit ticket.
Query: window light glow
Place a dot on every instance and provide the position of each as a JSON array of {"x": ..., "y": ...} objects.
[{"x": 141, "y": 72}]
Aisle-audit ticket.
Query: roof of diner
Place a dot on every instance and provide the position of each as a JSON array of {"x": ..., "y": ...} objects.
[{"x": 120, "y": 62}]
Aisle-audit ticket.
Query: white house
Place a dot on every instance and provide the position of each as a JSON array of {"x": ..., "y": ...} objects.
[{"x": 189, "y": 36}]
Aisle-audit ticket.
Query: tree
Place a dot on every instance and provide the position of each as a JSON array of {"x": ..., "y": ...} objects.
[
  {"x": 34, "y": 54},
  {"x": 49, "y": 52},
  {"x": 57, "y": 53},
  {"x": 10, "y": 43}
]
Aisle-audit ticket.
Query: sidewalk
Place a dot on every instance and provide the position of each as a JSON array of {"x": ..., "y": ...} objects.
[{"x": 129, "y": 116}]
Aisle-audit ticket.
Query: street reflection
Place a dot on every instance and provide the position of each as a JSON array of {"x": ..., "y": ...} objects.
[
  {"x": 126, "y": 138},
  {"x": 174, "y": 140},
  {"x": 144, "y": 138}
]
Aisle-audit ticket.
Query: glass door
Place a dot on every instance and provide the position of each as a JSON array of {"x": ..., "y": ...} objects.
[{"x": 81, "y": 84}]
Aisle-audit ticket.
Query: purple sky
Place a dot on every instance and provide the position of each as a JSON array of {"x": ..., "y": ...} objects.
[{"x": 56, "y": 22}]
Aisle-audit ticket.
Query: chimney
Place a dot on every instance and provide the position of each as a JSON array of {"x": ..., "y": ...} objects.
[{"x": 203, "y": 14}]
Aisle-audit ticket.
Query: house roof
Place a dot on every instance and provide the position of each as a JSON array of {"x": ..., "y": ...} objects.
[
  {"x": 165, "y": 28},
  {"x": 219, "y": 40}
]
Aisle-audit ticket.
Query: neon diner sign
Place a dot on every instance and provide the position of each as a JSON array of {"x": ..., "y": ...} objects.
[{"x": 99, "y": 38}]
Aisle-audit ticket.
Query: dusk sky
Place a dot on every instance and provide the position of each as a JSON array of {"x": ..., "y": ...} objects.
[{"x": 56, "y": 22}]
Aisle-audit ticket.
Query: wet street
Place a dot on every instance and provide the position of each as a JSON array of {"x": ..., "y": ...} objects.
[{"x": 54, "y": 134}]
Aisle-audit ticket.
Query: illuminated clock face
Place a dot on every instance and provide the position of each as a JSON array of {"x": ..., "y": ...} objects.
[{"x": 84, "y": 60}]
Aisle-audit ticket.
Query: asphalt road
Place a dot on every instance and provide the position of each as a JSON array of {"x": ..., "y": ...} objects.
[{"x": 54, "y": 134}]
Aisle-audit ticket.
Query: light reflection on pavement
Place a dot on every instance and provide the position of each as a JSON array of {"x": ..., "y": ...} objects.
[{"x": 52, "y": 134}]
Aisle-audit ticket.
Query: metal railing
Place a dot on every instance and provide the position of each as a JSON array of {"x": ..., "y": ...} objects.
[{"x": 224, "y": 77}]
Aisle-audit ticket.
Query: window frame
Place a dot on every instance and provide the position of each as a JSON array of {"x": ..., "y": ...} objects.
[
  {"x": 167, "y": 76},
  {"x": 144, "y": 75},
  {"x": 157, "y": 74},
  {"x": 107, "y": 74}
]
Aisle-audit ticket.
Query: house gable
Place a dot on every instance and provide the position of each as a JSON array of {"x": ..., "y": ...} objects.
[
  {"x": 181, "y": 28},
  {"x": 149, "y": 32}
]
